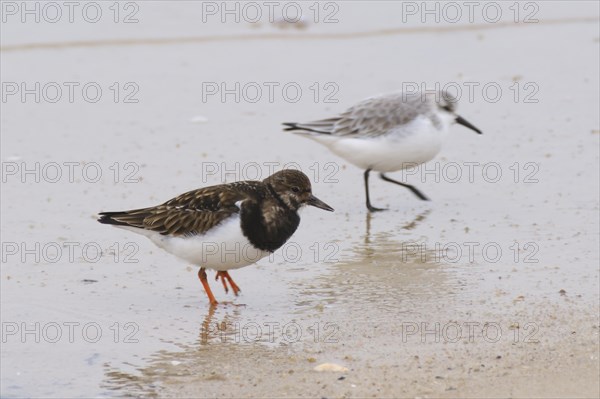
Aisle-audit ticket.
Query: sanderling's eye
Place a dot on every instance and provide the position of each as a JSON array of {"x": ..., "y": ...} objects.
[{"x": 296, "y": 189}]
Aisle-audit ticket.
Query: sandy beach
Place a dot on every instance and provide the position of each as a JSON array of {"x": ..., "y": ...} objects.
[{"x": 489, "y": 290}]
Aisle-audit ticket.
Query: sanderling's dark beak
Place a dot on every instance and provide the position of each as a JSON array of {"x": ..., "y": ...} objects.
[
  {"x": 314, "y": 201},
  {"x": 461, "y": 121}
]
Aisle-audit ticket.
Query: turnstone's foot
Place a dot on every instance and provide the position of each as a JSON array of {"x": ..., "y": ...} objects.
[
  {"x": 204, "y": 281},
  {"x": 226, "y": 278}
]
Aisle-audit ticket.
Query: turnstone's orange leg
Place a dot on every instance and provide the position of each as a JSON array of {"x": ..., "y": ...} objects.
[
  {"x": 226, "y": 278},
  {"x": 233, "y": 285},
  {"x": 220, "y": 274},
  {"x": 204, "y": 281}
]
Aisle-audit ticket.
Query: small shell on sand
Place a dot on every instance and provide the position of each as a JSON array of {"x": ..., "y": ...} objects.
[{"x": 330, "y": 367}]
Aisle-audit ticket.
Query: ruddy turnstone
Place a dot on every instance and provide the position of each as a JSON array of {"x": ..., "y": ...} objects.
[
  {"x": 224, "y": 227},
  {"x": 387, "y": 133}
]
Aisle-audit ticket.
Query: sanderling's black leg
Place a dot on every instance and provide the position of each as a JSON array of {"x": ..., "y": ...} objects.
[
  {"x": 370, "y": 207},
  {"x": 411, "y": 188}
]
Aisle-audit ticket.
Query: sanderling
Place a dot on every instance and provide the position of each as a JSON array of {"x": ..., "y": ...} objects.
[{"x": 387, "y": 133}]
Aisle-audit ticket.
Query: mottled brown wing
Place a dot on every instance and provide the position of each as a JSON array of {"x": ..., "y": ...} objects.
[{"x": 192, "y": 213}]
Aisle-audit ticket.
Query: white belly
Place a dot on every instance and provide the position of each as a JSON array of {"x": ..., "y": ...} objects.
[
  {"x": 402, "y": 147},
  {"x": 222, "y": 248}
]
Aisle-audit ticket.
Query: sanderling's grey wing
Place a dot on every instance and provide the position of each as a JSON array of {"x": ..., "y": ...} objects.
[
  {"x": 377, "y": 115},
  {"x": 372, "y": 117}
]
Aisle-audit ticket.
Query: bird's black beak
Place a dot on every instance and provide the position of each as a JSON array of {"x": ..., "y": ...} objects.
[
  {"x": 314, "y": 201},
  {"x": 461, "y": 121}
]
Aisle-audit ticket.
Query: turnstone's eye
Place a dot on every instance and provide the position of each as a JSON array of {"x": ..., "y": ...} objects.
[{"x": 296, "y": 189}]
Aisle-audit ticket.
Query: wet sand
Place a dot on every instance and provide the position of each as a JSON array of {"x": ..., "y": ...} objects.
[{"x": 489, "y": 290}]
